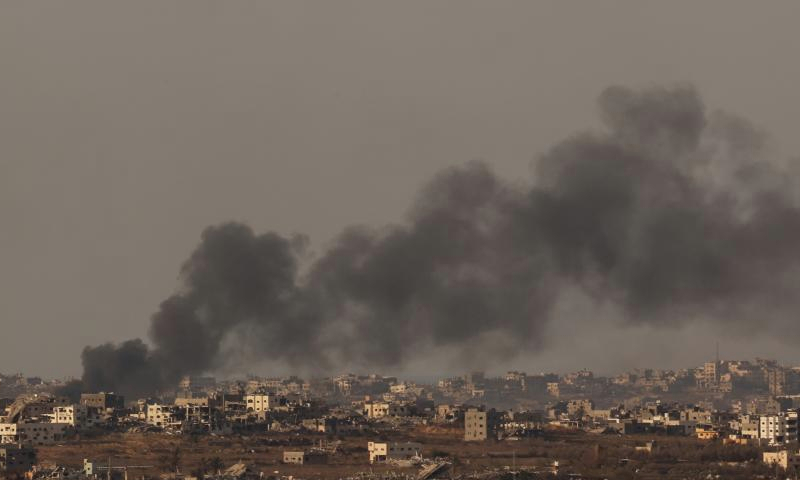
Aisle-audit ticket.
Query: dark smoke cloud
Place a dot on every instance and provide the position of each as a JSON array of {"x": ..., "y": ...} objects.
[{"x": 672, "y": 214}]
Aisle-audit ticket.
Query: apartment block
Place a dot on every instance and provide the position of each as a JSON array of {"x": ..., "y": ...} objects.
[
  {"x": 259, "y": 402},
  {"x": 475, "y": 425}
]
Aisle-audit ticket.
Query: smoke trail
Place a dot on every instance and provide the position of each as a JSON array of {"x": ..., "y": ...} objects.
[{"x": 671, "y": 213}]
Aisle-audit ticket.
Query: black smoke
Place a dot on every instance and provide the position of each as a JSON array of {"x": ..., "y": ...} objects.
[{"x": 671, "y": 214}]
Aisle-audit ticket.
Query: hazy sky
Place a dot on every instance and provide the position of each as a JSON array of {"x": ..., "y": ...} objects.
[{"x": 127, "y": 127}]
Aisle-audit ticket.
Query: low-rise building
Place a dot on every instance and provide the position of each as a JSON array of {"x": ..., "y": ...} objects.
[
  {"x": 782, "y": 458},
  {"x": 295, "y": 458},
  {"x": 374, "y": 410},
  {"x": 303, "y": 458},
  {"x": 380, "y": 452},
  {"x": 706, "y": 432},
  {"x": 320, "y": 425}
]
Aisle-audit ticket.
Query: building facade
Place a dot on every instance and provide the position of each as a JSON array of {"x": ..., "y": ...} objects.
[{"x": 475, "y": 425}]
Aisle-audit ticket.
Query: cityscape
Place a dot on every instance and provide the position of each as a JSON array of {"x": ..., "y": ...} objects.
[
  {"x": 399, "y": 240},
  {"x": 738, "y": 418}
]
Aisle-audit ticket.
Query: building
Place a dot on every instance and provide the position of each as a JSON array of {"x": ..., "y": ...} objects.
[
  {"x": 380, "y": 452},
  {"x": 259, "y": 402},
  {"x": 749, "y": 427},
  {"x": 474, "y": 379},
  {"x": 447, "y": 413},
  {"x": 475, "y": 425},
  {"x": 778, "y": 428},
  {"x": 398, "y": 388},
  {"x": 400, "y": 410},
  {"x": 706, "y": 432},
  {"x": 772, "y": 429},
  {"x": 374, "y": 410},
  {"x": 197, "y": 384},
  {"x": 709, "y": 375},
  {"x": 103, "y": 400},
  {"x": 783, "y": 458},
  {"x": 78, "y": 416},
  {"x": 16, "y": 460},
  {"x": 32, "y": 433},
  {"x": 159, "y": 415},
  {"x": 576, "y": 408},
  {"x": 553, "y": 389},
  {"x": 775, "y": 378},
  {"x": 302, "y": 458},
  {"x": 295, "y": 458},
  {"x": 321, "y": 425}
]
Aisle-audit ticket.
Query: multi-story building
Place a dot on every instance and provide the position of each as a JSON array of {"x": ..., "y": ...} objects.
[
  {"x": 475, "y": 425},
  {"x": 103, "y": 400},
  {"x": 259, "y": 402},
  {"x": 775, "y": 378},
  {"x": 579, "y": 407},
  {"x": 159, "y": 415},
  {"x": 553, "y": 389},
  {"x": 778, "y": 428},
  {"x": 16, "y": 460},
  {"x": 32, "y": 433},
  {"x": 197, "y": 384},
  {"x": 749, "y": 426}
]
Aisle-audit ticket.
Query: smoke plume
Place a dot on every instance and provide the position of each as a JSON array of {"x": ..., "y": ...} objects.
[{"x": 671, "y": 214}]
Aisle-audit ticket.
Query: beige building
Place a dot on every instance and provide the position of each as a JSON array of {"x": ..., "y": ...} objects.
[
  {"x": 475, "y": 425},
  {"x": 159, "y": 415},
  {"x": 302, "y": 458},
  {"x": 783, "y": 458},
  {"x": 579, "y": 407},
  {"x": 552, "y": 389},
  {"x": 75, "y": 415},
  {"x": 259, "y": 402},
  {"x": 295, "y": 458},
  {"x": 380, "y": 452},
  {"x": 376, "y": 409}
]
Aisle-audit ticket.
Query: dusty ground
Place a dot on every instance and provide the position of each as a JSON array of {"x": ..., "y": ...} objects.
[{"x": 574, "y": 451}]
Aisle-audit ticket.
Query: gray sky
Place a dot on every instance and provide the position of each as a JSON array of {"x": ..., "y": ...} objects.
[{"x": 127, "y": 127}]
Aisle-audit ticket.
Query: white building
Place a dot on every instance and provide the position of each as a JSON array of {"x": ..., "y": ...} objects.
[
  {"x": 778, "y": 428},
  {"x": 78, "y": 415}
]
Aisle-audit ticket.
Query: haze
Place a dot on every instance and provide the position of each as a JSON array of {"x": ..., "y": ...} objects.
[{"x": 126, "y": 129}]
